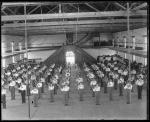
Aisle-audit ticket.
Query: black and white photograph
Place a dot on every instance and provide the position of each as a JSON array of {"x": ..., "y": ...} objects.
[{"x": 74, "y": 60}]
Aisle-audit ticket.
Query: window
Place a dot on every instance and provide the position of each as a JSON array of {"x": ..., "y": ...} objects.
[
  {"x": 70, "y": 57},
  {"x": 133, "y": 57},
  {"x": 3, "y": 62},
  {"x": 13, "y": 59}
]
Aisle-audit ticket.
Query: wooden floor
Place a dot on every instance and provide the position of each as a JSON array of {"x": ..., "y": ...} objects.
[{"x": 85, "y": 110}]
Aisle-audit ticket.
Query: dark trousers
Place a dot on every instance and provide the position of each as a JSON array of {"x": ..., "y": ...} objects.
[
  {"x": 12, "y": 90},
  {"x": 93, "y": 94},
  {"x": 4, "y": 101},
  {"x": 132, "y": 90},
  {"x": 55, "y": 88},
  {"x": 97, "y": 96},
  {"x": 105, "y": 87},
  {"x": 128, "y": 96},
  {"x": 102, "y": 83},
  {"x": 23, "y": 96},
  {"x": 35, "y": 100},
  {"x": 66, "y": 97},
  {"x": 39, "y": 93},
  {"x": 120, "y": 89},
  {"x": 42, "y": 89},
  {"x": 81, "y": 94},
  {"x": 110, "y": 93},
  {"x": 115, "y": 84},
  {"x": 139, "y": 88},
  {"x": 51, "y": 95}
]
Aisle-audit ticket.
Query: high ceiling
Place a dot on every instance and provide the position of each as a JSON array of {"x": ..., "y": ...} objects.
[{"x": 76, "y": 17}]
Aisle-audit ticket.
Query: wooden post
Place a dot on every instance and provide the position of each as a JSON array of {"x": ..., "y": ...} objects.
[
  {"x": 26, "y": 46},
  {"x": 128, "y": 34}
]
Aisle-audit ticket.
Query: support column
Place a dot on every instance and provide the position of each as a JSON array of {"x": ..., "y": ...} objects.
[
  {"x": 133, "y": 57},
  {"x": 125, "y": 41},
  {"x": 113, "y": 42},
  {"x": 20, "y": 48},
  {"x": 128, "y": 34},
  {"x": 145, "y": 43},
  {"x": 12, "y": 49},
  {"x": 117, "y": 41},
  {"x": 133, "y": 44},
  {"x": 125, "y": 55},
  {"x": 59, "y": 8}
]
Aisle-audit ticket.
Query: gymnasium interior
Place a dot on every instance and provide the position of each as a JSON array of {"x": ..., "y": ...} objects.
[{"x": 73, "y": 40}]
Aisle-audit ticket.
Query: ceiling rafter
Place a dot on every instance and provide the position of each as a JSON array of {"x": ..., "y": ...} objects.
[
  {"x": 11, "y": 11},
  {"x": 4, "y": 12},
  {"x": 107, "y": 6},
  {"x": 140, "y": 6},
  {"x": 74, "y": 15},
  {"x": 74, "y": 22},
  {"x": 52, "y": 9},
  {"x": 119, "y": 5},
  {"x": 34, "y": 9},
  {"x": 92, "y": 7}
]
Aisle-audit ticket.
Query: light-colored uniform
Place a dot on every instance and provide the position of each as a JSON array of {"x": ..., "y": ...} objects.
[
  {"x": 35, "y": 96},
  {"x": 96, "y": 89}
]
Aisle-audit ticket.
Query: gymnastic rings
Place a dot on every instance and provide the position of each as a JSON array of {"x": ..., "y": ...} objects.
[{"x": 67, "y": 74}]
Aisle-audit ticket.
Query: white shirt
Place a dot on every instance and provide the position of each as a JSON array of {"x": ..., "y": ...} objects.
[
  {"x": 67, "y": 74},
  {"x": 121, "y": 80},
  {"x": 79, "y": 80},
  {"x": 42, "y": 80},
  {"x": 107, "y": 69},
  {"x": 33, "y": 77},
  {"x": 34, "y": 91},
  {"x": 39, "y": 85},
  {"x": 139, "y": 82},
  {"x": 22, "y": 87},
  {"x": 13, "y": 83},
  {"x": 16, "y": 74},
  {"x": 125, "y": 73},
  {"x": 96, "y": 88},
  {"x": 54, "y": 81},
  {"x": 94, "y": 82},
  {"x": 19, "y": 80},
  {"x": 116, "y": 68},
  {"x": 91, "y": 75},
  {"x": 56, "y": 76},
  {"x": 65, "y": 88},
  {"x": 128, "y": 86},
  {"x": 110, "y": 84},
  {"x": 8, "y": 73},
  {"x": 51, "y": 87},
  {"x": 81, "y": 86},
  {"x": 3, "y": 91}
]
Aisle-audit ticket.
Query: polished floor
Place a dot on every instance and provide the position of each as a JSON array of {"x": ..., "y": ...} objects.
[{"x": 77, "y": 110}]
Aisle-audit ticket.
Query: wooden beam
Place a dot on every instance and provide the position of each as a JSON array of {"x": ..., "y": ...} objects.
[
  {"x": 73, "y": 23},
  {"x": 73, "y": 15},
  {"x": 92, "y": 7},
  {"x": 4, "y": 12},
  {"x": 34, "y": 9},
  {"x": 107, "y": 6},
  {"x": 140, "y": 6},
  {"x": 44, "y": 3},
  {"x": 52, "y": 9},
  {"x": 10, "y": 10},
  {"x": 73, "y": 26},
  {"x": 120, "y": 6}
]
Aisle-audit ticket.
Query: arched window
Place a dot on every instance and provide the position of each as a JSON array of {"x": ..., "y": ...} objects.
[{"x": 70, "y": 57}]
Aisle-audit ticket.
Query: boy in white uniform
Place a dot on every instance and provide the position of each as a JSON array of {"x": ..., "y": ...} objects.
[
  {"x": 35, "y": 96},
  {"x": 97, "y": 93}
]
